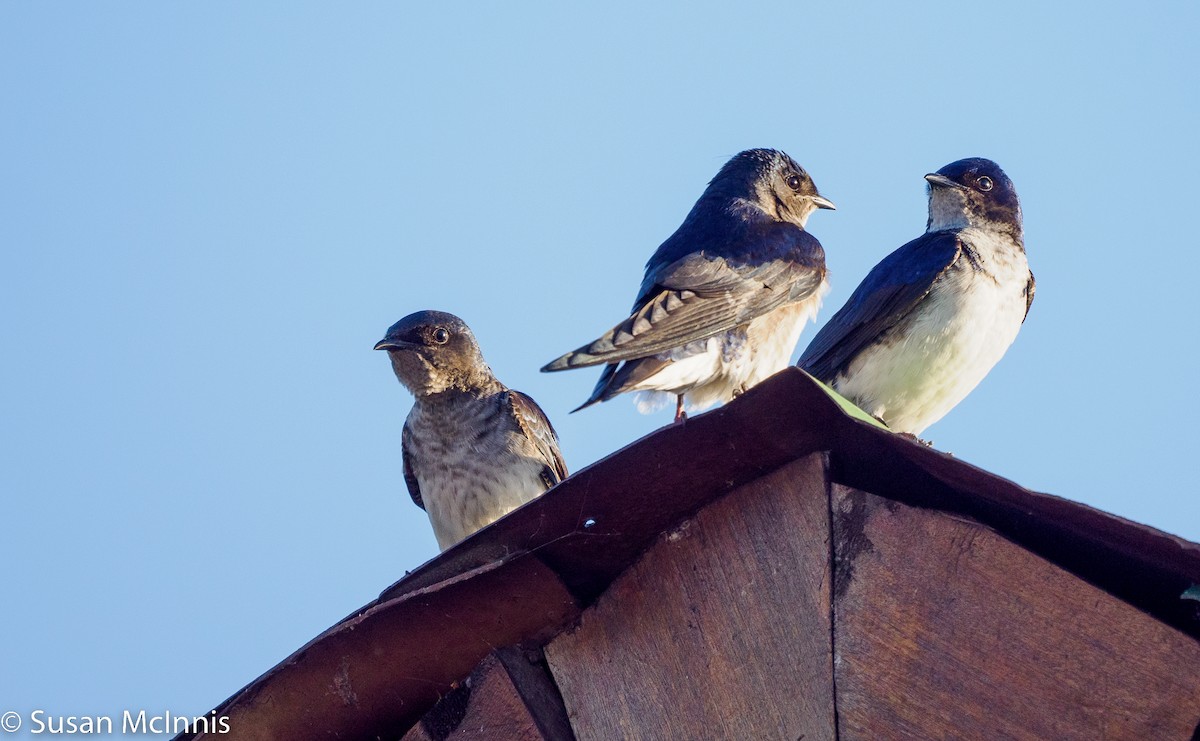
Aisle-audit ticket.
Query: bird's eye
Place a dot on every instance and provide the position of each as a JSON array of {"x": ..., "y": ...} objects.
[
  {"x": 794, "y": 182},
  {"x": 441, "y": 335},
  {"x": 984, "y": 183}
]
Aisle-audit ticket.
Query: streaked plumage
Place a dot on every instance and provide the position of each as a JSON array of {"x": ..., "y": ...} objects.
[
  {"x": 473, "y": 449},
  {"x": 724, "y": 299},
  {"x": 929, "y": 321}
]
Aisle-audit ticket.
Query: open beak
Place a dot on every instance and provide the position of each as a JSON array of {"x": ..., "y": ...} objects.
[
  {"x": 941, "y": 181},
  {"x": 823, "y": 202}
]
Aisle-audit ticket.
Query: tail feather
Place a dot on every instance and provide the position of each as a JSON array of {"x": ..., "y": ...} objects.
[
  {"x": 667, "y": 320},
  {"x": 601, "y": 384},
  {"x": 617, "y": 378}
]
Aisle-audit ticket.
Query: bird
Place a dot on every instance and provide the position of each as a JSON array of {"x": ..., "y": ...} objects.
[
  {"x": 724, "y": 298},
  {"x": 472, "y": 448},
  {"x": 935, "y": 316}
]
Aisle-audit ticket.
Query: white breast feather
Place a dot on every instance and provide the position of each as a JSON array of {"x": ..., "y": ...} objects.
[
  {"x": 717, "y": 369},
  {"x": 970, "y": 320}
]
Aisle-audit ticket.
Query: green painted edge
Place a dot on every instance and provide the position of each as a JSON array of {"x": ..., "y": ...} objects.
[
  {"x": 848, "y": 407},
  {"x": 1192, "y": 592}
]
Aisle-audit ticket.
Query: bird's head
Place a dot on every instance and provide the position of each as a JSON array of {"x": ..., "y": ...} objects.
[
  {"x": 432, "y": 351},
  {"x": 973, "y": 192},
  {"x": 771, "y": 181}
]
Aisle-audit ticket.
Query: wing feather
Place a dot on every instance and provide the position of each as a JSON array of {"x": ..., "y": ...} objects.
[
  {"x": 1030, "y": 289},
  {"x": 410, "y": 478},
  {"x": 701, "y": 295},
  {"x": 890, "y": 291},
  {"x": 536, "y": 426}
]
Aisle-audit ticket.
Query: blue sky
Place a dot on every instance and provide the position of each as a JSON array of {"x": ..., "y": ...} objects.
[{"x": 209, "y": 212}]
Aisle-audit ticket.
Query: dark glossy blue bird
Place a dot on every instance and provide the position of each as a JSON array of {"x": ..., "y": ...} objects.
[
  {"x": 473, "y": 449},
  {"x": 933, "y": 318},
  {"x": 724, "y": 299}
]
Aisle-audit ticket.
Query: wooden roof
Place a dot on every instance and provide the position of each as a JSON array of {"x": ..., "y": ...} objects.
[{"x": 533, "y": 573}]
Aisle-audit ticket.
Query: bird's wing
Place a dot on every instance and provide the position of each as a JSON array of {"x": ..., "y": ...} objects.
[
  {"x": 703, "y": 294},
  {"x": 410, "y": 478},
  {"x": 1030, "y": 289},
  {"x": 536, "y": 426},
  {"x": 890, "y": 291},
  {"x": 617, "y": 378}
]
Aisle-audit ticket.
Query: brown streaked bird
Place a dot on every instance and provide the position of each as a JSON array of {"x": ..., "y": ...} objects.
[
  {"x": 724, "y": 299},
  {"x": 473, "y": 449}
]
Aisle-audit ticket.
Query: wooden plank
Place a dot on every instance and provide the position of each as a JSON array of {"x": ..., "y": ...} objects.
[
  {"x": 720, "y": 630},
  {"x": 376, "y": 674},
  {"x": 543, "y": 702},
  {"x": 508, "y": 698},
  {"x": 944, "y": 629}
]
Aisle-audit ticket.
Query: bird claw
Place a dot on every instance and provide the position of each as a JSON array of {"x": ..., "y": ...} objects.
[{"x": 915, "y": 439}]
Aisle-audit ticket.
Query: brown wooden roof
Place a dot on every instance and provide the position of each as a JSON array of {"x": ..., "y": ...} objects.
[{"x": 529, "y": 575}]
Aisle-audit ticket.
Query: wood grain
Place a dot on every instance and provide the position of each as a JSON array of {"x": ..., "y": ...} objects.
[
  {"x": 506, "y": 698},
  {"x": 721, "y": 629},
  {"x": 946, "y": 630},
  {"x": 376, "y": 674}
]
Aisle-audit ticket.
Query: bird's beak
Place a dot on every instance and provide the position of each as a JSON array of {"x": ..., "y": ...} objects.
[
  {"x": 823, "y": 202},
  {"x": 941, "y": 181},
  {"x": 386, "y": 344}
]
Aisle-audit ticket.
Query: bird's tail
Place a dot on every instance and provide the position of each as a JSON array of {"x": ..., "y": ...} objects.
[
  {"x": 669, "y": 319},
  {"x": 602, "y": 384},
  {"x": 618, "y": 378}
]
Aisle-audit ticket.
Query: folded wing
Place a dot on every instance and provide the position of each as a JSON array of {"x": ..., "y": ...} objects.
[
  {"x": 890, "y": 291},
  {"x": 536, "y": 426},
  {"x": 702, "y": 294}
]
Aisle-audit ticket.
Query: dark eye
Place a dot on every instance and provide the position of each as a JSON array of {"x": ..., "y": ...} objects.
[
  {"x": 441, "y": 335},
  {"x": 794, "y": 182},
  {"x": 984, "y": 183}
]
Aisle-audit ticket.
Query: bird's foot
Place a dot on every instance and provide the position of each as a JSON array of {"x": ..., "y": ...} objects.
[
  {"x": 915, "y": 439},
  {"x": 680, "y": 415}
]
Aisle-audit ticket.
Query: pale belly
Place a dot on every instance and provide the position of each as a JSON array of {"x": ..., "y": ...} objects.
[
  {"x": 470, "y": 480},
  {"x": 929, "y": 364},
  {"x": 475, "y": 495},
  {"x": 717, "y": 369}
]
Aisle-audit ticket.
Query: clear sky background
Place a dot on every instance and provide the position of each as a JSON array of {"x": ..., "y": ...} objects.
[{"x": 210, "y": 212}]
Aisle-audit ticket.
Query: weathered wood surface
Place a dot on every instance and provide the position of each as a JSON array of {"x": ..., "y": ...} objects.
[
  {"x": 945, "y": 630},
  {"x": 376, "y": 674},
  {"x": 506, "y": 698},
  {"x": 721, "y": 630},
  {"x": 590, "y": 528}
]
